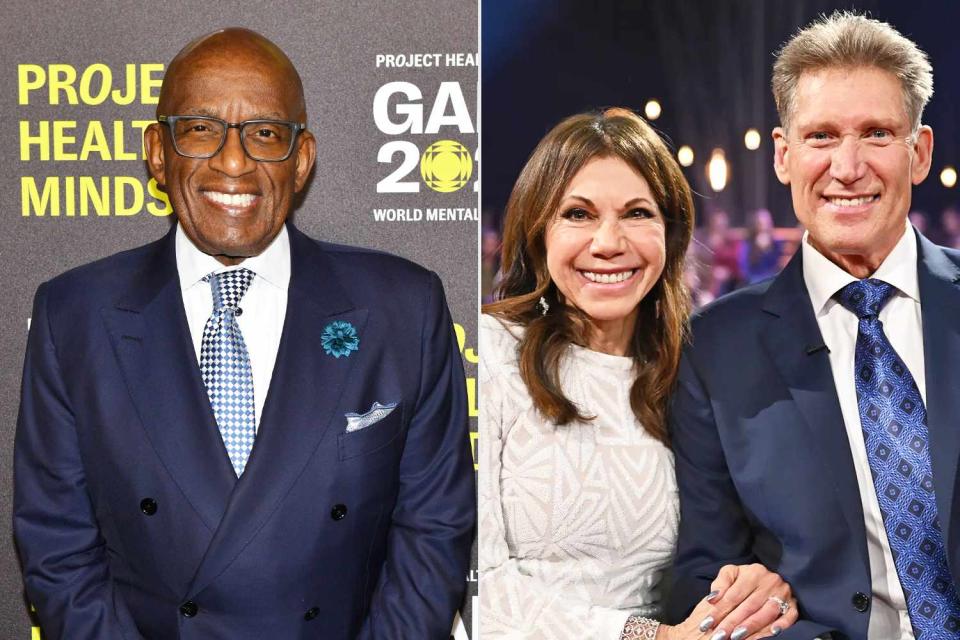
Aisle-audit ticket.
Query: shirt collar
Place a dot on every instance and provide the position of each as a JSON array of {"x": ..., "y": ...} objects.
[
  {"x": 824, "y": 278},
  {"x": 273, "y": 264}
]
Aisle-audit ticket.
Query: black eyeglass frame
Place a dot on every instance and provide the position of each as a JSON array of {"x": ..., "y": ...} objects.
[{"x": 171, "y": 121}]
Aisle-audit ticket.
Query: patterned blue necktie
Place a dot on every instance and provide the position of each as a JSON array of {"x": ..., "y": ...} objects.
[
  {"x": 894, "y": 422},
  {"x": 225, "y": 366}
]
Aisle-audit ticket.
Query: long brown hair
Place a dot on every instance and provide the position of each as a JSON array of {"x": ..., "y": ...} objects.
[{"x": 661, "y": 322}]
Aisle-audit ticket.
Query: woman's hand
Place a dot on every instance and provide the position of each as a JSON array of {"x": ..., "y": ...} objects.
[{"x": 744, "y": 604}]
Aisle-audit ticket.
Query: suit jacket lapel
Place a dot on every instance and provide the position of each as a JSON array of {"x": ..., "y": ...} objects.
[
  {"x": 938, "y": 278},
  {"x": 304, "y": 392},
  {"x": 151, "y": 339},
  {"x": 794, "y": 343}
]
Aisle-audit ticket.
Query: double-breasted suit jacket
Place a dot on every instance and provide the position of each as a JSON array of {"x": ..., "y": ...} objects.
[{"x": 129, "y": 518}]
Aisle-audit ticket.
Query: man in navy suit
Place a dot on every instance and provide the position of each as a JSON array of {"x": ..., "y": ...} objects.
[
  {"x": 815, "y": 420},
  {"x": 237, "y": 431}
]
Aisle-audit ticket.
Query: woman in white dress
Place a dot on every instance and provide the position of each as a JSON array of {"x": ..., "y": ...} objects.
[{"x": 578, "y": 501}]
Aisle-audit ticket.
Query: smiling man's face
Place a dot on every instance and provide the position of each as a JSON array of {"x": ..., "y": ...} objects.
[
  {"x": 851, "y": 161},
  {"x": 231, "y": 206}
]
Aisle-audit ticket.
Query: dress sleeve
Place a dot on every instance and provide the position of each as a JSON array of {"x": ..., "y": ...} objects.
[{"x": 514, "y": 604}]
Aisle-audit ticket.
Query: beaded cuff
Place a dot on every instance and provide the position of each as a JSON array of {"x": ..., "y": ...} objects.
[{"x": 637, "y": 628}]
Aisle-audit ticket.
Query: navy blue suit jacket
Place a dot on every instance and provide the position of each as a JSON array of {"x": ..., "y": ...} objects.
[
  {"x": 327, "y": 534},
  {"x": 763, "y": 460}
]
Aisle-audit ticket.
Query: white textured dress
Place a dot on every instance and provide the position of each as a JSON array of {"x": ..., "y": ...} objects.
[{"x": 577, "y": 522}]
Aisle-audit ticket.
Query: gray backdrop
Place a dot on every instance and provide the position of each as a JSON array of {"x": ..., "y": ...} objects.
[{"x": 335, "y": 46}]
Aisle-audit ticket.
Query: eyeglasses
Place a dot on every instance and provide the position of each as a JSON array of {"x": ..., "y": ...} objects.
[
  {"x": 874, "y": 139},
  {"x": 203, "y": 137}
]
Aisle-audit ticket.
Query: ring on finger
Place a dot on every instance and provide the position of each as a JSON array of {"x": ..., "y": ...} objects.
[{"x": 782, "y": 604}]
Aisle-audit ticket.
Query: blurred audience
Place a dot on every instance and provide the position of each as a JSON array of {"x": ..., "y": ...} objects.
[
  {"x": 759, "y": 256},
  {"x": 921, "y": 221},
  {"x": 716, "y": 252},
  {"x": 489, "y": 262},
  {"x": 950, "y": 225}
]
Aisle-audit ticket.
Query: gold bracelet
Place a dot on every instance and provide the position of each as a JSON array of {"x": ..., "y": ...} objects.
[{"x": 637, "y": 628}]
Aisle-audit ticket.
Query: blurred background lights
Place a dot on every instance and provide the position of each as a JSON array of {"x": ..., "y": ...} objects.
[
  {"x": 717, "y": 170},
  {"x": 948, "y": 177},
  {"x": 685, "y": 156},
  {"x": 751, "y": 139},
  {"x": 652, "y": 109}
]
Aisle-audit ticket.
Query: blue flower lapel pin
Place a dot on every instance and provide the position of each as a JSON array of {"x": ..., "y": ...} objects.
[{"x": 340, "y": 338}]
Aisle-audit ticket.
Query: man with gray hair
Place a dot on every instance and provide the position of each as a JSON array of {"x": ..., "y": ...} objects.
[{"x": 819, "y": 437}]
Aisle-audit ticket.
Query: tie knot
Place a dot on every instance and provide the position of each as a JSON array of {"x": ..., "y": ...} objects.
[
  {"x": 865, "y": 297},
  {"x": 228, "y": 287}
]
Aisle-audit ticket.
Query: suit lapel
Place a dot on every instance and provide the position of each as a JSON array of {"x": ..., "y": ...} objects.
[
  {"x": 793, "y": 341},
  {"x": 300, "y": 406},
  {"x": 938, "y": 278},
  {"x": 151, "y": 339}
]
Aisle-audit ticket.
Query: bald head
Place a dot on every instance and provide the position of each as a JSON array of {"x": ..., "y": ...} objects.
[{"x": 235, "y": 51}]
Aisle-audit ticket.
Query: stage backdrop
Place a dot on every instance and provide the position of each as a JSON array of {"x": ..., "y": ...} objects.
[{"x": 391, "y": 91}]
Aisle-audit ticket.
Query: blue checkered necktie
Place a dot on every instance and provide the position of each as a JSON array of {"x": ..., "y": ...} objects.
[
  {"x": 894, "y": 422},
  {"x": 225, "y": 366}
]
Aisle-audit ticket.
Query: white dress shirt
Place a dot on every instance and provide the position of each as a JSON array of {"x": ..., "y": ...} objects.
[
  {"x": 264, "y": 304},
  {"x": 902, "y": 325}
]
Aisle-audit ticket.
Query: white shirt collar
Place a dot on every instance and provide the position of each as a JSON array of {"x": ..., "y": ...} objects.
[
  {"x": 273, "y": 264},
  {"x": 824, "y": 278}
]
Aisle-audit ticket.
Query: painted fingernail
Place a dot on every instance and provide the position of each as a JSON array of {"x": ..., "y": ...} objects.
[
  {"x": 775, "y": 630},
  {"x": 706, "y": 624},
  {"x": 712, "y": 596},
  {"x": 739, "y": 633},
  {"x": 719, "y": 635}
]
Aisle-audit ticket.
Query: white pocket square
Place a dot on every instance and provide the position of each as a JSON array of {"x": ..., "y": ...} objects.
[{"x": 357, "y": 421}]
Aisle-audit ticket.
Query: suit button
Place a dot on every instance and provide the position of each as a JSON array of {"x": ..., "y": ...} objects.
[
  {"x": 339, "y": 511},
  {"x": 238, "y": 312},
  {"x": 188, "y": 609},
  {"x": 311, "y": 613},
  {"x": 148, "y": 506},
  {"x": 860, "y": 602}
]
